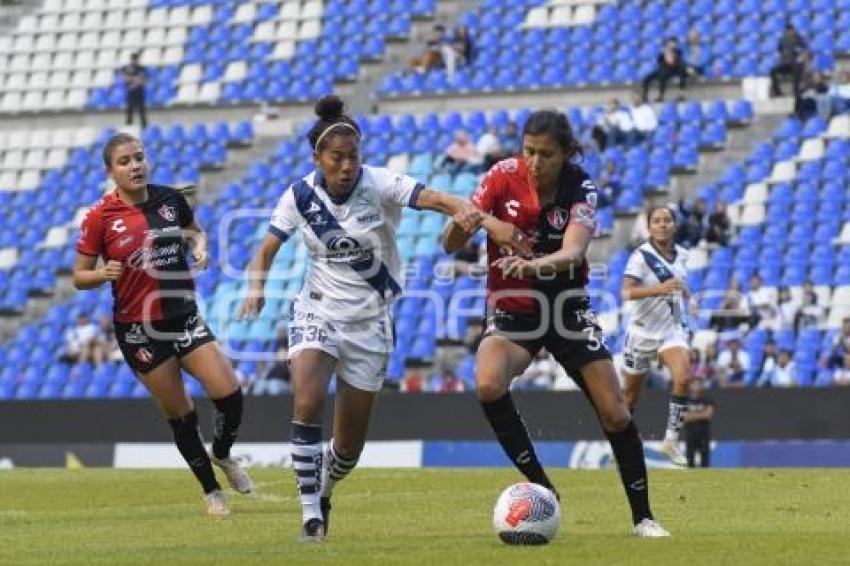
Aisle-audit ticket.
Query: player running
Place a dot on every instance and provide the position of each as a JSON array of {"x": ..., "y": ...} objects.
[
  {"x": 142, "y": 232},
  {"x": 541, "y": 302},
  {"x": 348, "y": 213},
  {"x": 654, "y": 282}
]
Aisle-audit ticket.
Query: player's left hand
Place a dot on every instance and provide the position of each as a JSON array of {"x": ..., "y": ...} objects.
[
  {"x": 201, "y": 257},
  {"x": 468, "y": 218},
  {"x": 515, "y": 266}
]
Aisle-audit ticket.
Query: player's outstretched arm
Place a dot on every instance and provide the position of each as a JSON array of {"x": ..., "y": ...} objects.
[
  {"x": 462, "y": 212},
  {"x": 258, "y": 271},
  {"x": 572, "y": 254},
  {"x": 88, "y": 276},
  {"x": 503, "y": 234}
]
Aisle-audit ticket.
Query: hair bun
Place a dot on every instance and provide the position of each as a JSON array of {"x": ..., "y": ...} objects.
[{"x": 330, "y": 107}]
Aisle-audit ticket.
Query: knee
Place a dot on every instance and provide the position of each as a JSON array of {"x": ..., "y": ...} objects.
[
  {"x": 615, "y": 419},
  {"x": 489, "y": 388}
]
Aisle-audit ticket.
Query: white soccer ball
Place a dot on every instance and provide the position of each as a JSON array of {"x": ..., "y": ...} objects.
[{"x": 526, "y": 513}]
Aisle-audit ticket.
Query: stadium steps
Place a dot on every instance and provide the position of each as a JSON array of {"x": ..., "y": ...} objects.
[
  {"x": 361, "y": 98},
  {"x": 685, "y": 186}
]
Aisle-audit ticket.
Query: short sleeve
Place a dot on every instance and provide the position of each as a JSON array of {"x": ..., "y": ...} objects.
[
  {"x": 285, "y": 218},
  {"x": 636, "y": 267},
  {"x": 91, "y": 234},
  {"x": 583, "y": 210},
  {"x": 184, "y": 211},
  {"x": 486, "y": 195},
  {"x": 396, "y": 189}
]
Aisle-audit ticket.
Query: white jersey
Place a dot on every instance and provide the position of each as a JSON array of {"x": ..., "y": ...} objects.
[
  {"x": 355, "y": 268},
  {"x": 654, "y": 317}
]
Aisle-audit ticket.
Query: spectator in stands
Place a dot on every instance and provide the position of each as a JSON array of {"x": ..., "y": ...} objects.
[
  {"x": 763, "y": 305},
  {"x": 709, "y": 365},
  {"x": 431, "y": 57},
  {"x": 449, "y": 383},
  {"x": 609, "y": 184},
  {"x": 510, "y": 140},
  {"x": 732, "y": 364},
  {"x": 769, "y": 357},
  {"x": 540, "y": 373},
  {"x": 109, "y": 343},
  {"x": 643, "y": 117},
  {"x": 814, "y": 98},
  {"x": 490, "y": 148},
  {"x": 735, "y": 312},
  {"x": 692, "y": 224},
  {"x": 136, "y": 77},
  {"x": 413, "y": 380},
  {"x": 810, "y": 314},
  {"x": 670, "y": 64},
  {"x": 617, "y": 126},
  {"x": 783, "y": 373},
  {"x": 840, "y": 93},
  {"x": 698, "y": 425},
  {"x": 462, "y": 155},
  {"x": 696, "y": 54},
  {"x": 276, "y": 378},
  {"x": 719, "y": 226},
  {"x": 838, "y": 359},
  {"x": 787, "y": 309},
  {"x": 463, "y": 44},
  {"x": 83, "y": 342},
  {"x": 792, "y": 49}
]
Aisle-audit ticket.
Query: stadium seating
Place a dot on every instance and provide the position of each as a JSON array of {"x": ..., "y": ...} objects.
[{"x": 547, "y": 44}]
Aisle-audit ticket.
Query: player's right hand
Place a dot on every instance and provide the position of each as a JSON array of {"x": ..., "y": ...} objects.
[
  {"x": 112, "y": 270},
  {"x": 672, "y": 286},
  {"x": 509, "y": 236},
  {"x": 251, "y": 306}
]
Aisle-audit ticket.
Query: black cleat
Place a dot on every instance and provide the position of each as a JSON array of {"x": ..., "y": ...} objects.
[
  {"x": 313, "y": 531},
  {"x": 325, "y": 506}
]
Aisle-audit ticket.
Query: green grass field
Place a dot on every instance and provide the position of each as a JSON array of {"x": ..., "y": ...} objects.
[{"x": 439, "y": 517}]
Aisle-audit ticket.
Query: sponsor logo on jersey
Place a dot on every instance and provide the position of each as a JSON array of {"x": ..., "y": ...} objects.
[
  {"x": 168, "y": 212},
  {"x": 512, "y": 207},
  {"x": 369, "y": 218},
  {"x": 145, "y": 257},
  {"x": 136, "y": 335},
  {"x": 557, "y": 218},
  {"x": 314, "y": 207},
  {"x": 144, "y": 355},
  {"x": 124, "y": 241}
]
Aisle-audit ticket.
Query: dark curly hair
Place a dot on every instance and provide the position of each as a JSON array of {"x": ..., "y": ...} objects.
[
  {"x": 331, "y": 111},
  {"x": 557, "y": 125}
]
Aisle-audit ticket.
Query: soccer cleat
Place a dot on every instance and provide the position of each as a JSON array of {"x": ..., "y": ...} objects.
[
  {"x": 216, "y": 504},
  {"x": 325, "y": 506},
  {"x": 650, "y": 528},
  {"x": 236, "y": 476},
  {"x": 672, "y": 451},
  {"x": 313, "y": 531}
]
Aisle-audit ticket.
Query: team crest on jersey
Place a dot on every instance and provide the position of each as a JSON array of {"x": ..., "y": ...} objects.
[
  {"x": 144, "y": 355},
  {"x": 168, "y": 212},
  {"x": 557, "y": 218}
]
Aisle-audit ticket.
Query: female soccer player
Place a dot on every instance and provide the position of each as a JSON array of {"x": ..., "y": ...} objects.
[
  {"x": 142, "y": 232},
  {"x": 348, "y": 213},
  {"x": 654, "y": 281},
  {"x": 541, "y": 302}
]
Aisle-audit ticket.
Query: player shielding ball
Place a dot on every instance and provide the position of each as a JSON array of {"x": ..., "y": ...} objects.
[
  {"x": 654, "y": 282},
  {"x": 341, "y": 322},
  {"x": 541, "y": 302},
  {"x": 143, "y": 233}
]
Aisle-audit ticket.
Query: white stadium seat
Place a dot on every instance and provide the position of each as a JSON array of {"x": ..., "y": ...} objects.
[
  {"x": 56, "y": 237},
  {"x": 283, "y": 50},
  {"x": 172, "y": 55},
  {"x": 209, "y": 92},
  {"x": 310, "y": 29},
  {"x": 245, "y": 14},
  {"x": 35, "y": 159},
  {"x": 290, "y": 10},
  {"x": 312, "y": 10},
  {"x": 157, "y": 17},
  {"x": 56, "y": 158},
  {"x": 179, "y": 16},
  {"x": 176, "y": 36},
  {"x": 755, "y": 193},
  {"x": 584, "y": 15},
  {"x": 190, "y": 73},
  {"x": 537, "y": 17},
  {"x": 11, "y": 102},
  {"x": 752, "y": 215},
  {"x": 839, "y": 127},
  {"x": 844, "y": 237},
  {"x": 201, "y": 15},
  {"x": 77, "y": 98},
  {"x": 8, "y": 256},
  {"x": 29, "y": 180},
  {"x": 235, "y": 71},
  {"x": 783, "y": 172},
  {"x": 55, "y": 100}
]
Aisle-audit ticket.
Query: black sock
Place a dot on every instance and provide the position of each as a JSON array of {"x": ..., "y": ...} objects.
[
  {"x": 228, "y": 417},
  {"x": 513, "y": 436},
  {"x": 187, "y": 437},
  {"x": 628, "y": 450}
]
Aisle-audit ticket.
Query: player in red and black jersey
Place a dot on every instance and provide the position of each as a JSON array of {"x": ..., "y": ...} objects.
[
  {"x": 539, "y": 300},
  {"x": 143, "y": 233}
]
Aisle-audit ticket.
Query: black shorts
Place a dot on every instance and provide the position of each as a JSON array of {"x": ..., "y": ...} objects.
[
  {"x": 147, "y": 345},
  {"x": 572, "y": 335}
]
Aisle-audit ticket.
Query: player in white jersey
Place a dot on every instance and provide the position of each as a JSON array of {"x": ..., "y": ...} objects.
[
  {"x": 658, "y": 327},
  {"x": 348, "y": 214}
]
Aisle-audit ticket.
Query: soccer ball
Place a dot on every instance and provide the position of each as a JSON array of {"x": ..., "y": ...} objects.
[{"x": 526, "y": 513}]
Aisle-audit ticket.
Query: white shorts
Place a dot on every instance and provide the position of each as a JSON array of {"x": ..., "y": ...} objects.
[
  {"x": 361, "y": 348},
  {"x": 640, "y": 351}
]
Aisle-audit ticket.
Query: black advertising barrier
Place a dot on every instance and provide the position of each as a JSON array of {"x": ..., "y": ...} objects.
[{"x": 762, "y": 414}]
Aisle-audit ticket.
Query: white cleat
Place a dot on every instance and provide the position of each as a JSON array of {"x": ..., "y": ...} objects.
[
  {"x": 216, "y": 504},
  {"x": 236, "y": 476},
  {"x": 649, "y": 528},
  {"x": 672, "y": 451}
]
